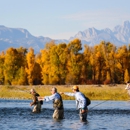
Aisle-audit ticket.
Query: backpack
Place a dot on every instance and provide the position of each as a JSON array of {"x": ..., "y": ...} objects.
[
  {"x": 37, "y": 95},
  {"x": 88, "y": 101},
  {"x": 41, "y": 102}
]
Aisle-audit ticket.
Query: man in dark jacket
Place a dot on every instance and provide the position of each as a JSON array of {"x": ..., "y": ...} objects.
[{"x": 35, "y": 102}]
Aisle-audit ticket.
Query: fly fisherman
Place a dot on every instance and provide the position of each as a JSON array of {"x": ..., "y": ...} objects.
[
  {"x": 128, "y": 88},
  {"x": 37, "y": 104},
  {"x": 57, "y": 103},
  {"x": 81, "y": 102}
]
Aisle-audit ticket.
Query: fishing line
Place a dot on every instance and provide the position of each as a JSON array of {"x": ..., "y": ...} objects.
[
  {"x": 19, "y": 89},
  {"x": 102, "y": 102},
  {"x": 99, "y": 104}
]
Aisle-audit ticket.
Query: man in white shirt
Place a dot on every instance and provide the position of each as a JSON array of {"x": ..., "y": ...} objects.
[
  {"x": 57, "y": 103},
  {"x": 128, "y": 88},
  {"x": 81, "y": 102}
]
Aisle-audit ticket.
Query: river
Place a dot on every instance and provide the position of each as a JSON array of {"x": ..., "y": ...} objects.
[{"x": 108, "y": 115}]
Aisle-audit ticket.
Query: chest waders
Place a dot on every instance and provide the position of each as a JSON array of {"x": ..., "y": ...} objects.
[
  {"x": 59, "y": 110},
  {"x": 58, "y": 103}
]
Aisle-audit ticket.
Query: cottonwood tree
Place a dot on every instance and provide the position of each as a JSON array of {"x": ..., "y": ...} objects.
[
  {"x": 74, "y": 62},
  {"x": 126, "y": 76},
  {"x": 122, "y": 63},
  {"x": 45, "y": 65},
  {"x": 99, "y": 62},
  {"x": 87, "y": 68},
  {"x": 109, "y": 51},
  {"x": 2, "y": 58},
  {"x": 14, "y": 60},
  {"x": 58, "y": 58},
  {"x": 30, "y": 59}
]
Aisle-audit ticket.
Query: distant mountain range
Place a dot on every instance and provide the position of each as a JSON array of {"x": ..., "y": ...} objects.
[{"x": 17, "y": 37}]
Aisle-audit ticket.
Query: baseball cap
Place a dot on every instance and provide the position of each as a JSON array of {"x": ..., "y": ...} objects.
[{"x": 75, "y": 87}]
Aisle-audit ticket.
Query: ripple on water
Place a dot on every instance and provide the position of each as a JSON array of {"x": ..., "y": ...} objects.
[{"x": 21, "y": 118}]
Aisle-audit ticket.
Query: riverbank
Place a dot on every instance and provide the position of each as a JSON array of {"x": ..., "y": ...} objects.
[{"x": 94, "y": 92}]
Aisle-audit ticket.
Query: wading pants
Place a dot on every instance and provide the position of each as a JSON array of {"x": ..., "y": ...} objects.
[
  {"x": 129, "y": 92},
  {"x": 83, "y": 116},
  {"x": 37, "y": 107},
  {"x": 58, "y": 114}
]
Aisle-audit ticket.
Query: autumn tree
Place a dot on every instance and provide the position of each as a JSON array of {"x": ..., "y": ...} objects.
[
  {"x": 109, "y": 52},
  {"x": 126, "y": 76},
  {"x": 45, "y": 62},
  {"x": 93, "y": 64},
  {"x": 99, "y": 62},
  {"x": 128, "y": 59},
  {"x": 38, "y": 69},
  {"x": 87, "y": 68},
  {"x": 2, "y": 58},
  {"x": 74, "y": 62},
  {"x": 30, "y": 59},
  {"x": 14, "y": 60},
  {"x": 58, "y": 59},
  {"x": 122, "y": 63},
  {"x": 21, "y": 74}
]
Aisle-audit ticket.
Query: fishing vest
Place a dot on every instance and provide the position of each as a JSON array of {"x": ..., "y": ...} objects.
[
  {"x": 58, "y": 103},
  {"x": 37, "y": 95}
]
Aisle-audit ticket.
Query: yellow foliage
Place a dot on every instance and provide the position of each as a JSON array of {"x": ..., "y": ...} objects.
[
  {"x": 126, "y": 77},
  {"x": 30, "y": 66}
]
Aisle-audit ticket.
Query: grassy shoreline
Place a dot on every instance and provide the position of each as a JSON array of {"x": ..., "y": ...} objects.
[{"x": 94, "y": 92}]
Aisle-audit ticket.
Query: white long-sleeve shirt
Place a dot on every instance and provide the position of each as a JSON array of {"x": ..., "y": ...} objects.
[
  {"x": 80, "y": 99},
  {"x": 127, "y": 87},
  {"x": 52, "y": 97}
]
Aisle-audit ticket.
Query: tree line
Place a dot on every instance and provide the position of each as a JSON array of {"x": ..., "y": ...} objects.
[{"x": 60, "y": 64}]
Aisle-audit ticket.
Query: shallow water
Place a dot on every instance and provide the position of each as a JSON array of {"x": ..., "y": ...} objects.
[{"x": 110, "y": 115}]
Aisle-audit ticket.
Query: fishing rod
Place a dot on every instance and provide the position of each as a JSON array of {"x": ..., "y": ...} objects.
[
  {"x": 21, "y": 89},
  {"x": 27, "y": 91},
  {"x": 101, "y": 103}
]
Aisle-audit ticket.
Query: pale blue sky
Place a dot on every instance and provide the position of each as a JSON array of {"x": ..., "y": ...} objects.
[{"x": 61, "y": 19}]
